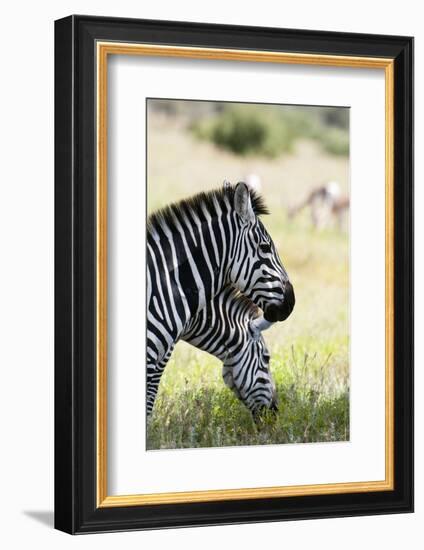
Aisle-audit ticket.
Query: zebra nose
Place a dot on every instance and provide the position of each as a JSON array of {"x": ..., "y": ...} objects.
[
  {"x": 280, "y": 312},
  {"x": 289, "y": 299}
]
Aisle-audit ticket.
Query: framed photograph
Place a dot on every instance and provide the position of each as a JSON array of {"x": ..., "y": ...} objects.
[{"x": 234, "y": 274}]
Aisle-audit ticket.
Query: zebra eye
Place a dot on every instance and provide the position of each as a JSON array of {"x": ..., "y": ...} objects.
[{"x": 265, "y": 248}]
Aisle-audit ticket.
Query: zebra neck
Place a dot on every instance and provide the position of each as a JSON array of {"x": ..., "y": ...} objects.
[
  {"x": 205, "y": 249},
  {"x": 221, "y": 328}
]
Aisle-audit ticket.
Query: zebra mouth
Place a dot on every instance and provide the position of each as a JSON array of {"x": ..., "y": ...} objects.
[
  {"x": 280, "y": 312},
  {"x": 274, "y": 313},
  {"x": 264, "y": 413}
]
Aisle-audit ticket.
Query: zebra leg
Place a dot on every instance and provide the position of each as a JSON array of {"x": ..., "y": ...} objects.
[{"x": 154, "y": 374}]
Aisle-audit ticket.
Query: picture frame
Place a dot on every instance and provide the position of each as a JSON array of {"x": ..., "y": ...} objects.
[{"x": 83, "y": 45}]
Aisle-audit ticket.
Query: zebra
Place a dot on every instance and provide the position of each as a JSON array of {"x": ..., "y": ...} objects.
[
  {"x": 230, "y": 328},
  {"x": 196, "y": 248}
]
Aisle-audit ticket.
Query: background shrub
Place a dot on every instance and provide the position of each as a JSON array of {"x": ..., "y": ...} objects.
[
  {"x": 244, "y": 132},
  {"x": 272, "y": 130},
  {"x": 335, "y": 141}
]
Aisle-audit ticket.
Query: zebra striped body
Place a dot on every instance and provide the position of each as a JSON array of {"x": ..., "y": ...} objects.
[
  {"x": 195, "y": 249},
  {"x": 225, "y": 328}
]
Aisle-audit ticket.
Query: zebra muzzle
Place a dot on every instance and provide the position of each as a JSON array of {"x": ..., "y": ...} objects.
[
  {"x": 262, "y": 413},
  {"x": 280, "y": 312}
]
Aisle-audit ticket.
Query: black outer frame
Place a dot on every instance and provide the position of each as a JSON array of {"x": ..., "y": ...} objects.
[{"x": 75, "y": 274}]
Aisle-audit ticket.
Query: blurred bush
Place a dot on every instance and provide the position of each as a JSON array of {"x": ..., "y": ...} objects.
[
  {"x": 335, "y": 141},
  {"x": 271, "y": 130},
  {"x": 246, "y": 131}
]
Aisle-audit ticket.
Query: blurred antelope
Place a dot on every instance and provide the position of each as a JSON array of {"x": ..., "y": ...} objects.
[{"x": 325, "y": 202}]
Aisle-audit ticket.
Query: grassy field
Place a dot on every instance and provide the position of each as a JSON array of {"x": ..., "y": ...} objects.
[{"x": 310, "y": 351}]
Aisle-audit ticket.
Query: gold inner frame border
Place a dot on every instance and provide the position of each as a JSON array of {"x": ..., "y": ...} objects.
[{"x": 103, "y": 50}]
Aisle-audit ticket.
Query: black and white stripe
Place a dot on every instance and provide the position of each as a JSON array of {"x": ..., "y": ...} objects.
[{"x": 229, "y": 328}]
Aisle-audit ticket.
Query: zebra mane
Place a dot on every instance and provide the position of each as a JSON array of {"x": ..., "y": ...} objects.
[{"x": 208, "y": 199}]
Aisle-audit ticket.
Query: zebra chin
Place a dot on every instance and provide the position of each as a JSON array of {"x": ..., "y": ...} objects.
[{"x": 280, "y": 312}]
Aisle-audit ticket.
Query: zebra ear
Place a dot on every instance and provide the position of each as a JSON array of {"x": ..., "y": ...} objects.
[{"x": 242, "y": 202}]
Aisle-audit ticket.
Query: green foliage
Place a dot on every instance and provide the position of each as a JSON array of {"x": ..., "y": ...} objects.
[
  {"x": 269, "y": 130},
  {"x": 246, "y": 131},
  {"x": 335, "y": 141}
]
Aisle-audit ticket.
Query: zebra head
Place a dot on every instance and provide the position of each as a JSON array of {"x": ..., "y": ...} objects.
[
  {"x": 246, "y": 371},
  {"x": 257, "y": 270}
]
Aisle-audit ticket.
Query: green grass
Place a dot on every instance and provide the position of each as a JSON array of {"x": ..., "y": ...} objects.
[
  {"x": 195, "y": 409},
  {"x": 309, "y": 351}
]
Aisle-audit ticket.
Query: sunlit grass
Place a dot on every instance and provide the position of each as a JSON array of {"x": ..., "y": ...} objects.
[{"x": 195, "y": 409}]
